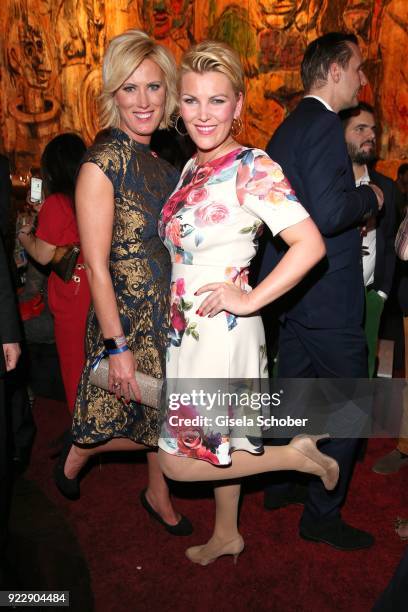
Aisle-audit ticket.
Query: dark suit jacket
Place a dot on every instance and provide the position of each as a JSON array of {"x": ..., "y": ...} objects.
[
  {"x": 5, "y": 193},
  {"x": 9, "y": 325},
  {"x": 310, "y": 147},
  {"x": 385, "y": 234}
]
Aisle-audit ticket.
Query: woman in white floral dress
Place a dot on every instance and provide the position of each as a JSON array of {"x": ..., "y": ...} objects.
[{"x": 210, "y": 224}]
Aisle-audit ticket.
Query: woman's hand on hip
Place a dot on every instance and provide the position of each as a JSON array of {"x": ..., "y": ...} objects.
[
  {"x": 224, "y": 296},
  {"x": 122, "y": 369}
]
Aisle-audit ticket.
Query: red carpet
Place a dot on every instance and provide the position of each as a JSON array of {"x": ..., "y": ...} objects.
[{"x": 135, "y": 565}]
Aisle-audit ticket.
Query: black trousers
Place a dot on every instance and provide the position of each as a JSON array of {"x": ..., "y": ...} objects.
[
  {"x": 395, "y": 596},
  {"x": 321, "y": 353},
  {"x": 5, "y": 475}
]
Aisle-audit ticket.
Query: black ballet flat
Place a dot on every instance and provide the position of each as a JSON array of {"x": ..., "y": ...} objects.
[
  {"x": 68, "y": 487},
  {"x": 183, "y": 527}
]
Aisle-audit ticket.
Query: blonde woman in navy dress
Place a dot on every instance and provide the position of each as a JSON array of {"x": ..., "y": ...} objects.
[{"x": 121, "y": 188}]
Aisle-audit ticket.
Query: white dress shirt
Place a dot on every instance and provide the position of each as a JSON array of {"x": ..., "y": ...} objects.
[
  {"x": 322, "y": 101},
  {"x": 369, "y": 242}
]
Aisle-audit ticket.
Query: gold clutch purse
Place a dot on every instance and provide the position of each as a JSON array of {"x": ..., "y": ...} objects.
[{"x": 150, "y": 387}]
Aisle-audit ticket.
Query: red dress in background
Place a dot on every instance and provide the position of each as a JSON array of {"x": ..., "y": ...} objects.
[{"x": 68, "y": 302}]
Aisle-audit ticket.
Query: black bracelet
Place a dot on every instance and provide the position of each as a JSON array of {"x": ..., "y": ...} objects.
[{"x": 112, "y": 344}]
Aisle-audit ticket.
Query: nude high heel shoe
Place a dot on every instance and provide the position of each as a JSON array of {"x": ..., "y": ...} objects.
[
  {"x": 306, "y": 445},
  {"x": 199, "y": 554}
]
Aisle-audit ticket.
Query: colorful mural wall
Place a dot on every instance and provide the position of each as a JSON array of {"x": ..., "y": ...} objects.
[{"x": 51, "y": 53}]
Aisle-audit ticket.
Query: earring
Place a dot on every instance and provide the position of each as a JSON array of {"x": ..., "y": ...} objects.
[
  {"x": 236, "y": 126},
  {"x": 177, "y": 128}
]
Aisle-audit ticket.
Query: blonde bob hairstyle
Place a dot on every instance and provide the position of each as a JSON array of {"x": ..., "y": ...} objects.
[
  {"x": 124, "y": 55},
  {"x": 214, "y": 56}
]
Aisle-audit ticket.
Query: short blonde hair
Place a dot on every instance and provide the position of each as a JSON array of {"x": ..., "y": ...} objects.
[
  {"x": 214, "y": 56},
  {"x": 124, "y": 55}
]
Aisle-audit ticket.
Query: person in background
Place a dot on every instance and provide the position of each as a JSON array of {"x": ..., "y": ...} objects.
[
  {"x": 9, "y": 355},
  {"x": 397, "y": 459},
  {"x": 378, "y": 232},
  {"x": 16, "y": 396},
  {"x": 402, "y": 193},
  {"x": 5, "y": 194},
  {"x": 57, "y": 226}
]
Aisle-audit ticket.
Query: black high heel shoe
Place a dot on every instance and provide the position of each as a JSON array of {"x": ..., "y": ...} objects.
[
  {"x": 68, "y": 487},
  {"x": 183, "y": 527}
]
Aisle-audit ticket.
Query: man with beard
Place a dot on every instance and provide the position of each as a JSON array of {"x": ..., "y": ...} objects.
[{"x": 378, "y": 232}]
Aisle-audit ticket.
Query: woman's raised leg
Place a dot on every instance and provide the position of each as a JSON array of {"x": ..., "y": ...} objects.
[{"x": 301, "y": 455}]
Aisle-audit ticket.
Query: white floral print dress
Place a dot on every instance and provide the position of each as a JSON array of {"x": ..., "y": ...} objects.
[{"x": 210, "y": 226}]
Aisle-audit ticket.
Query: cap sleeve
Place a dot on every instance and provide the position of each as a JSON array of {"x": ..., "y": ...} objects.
[
  {"x": 106, "y": 157},
  {"x": 263, "y": 191}
]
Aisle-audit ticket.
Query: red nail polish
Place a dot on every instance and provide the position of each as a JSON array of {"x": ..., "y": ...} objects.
[{"x": 195, "y": 292}]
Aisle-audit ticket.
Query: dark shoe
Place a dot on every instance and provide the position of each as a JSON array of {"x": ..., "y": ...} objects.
[
  {"x": 337, "y": 534},
  {"x": 391, "y": 463},
  {"x": 183, "y": 527},
  {"x": 69, "y": 487},
  {"x": 295, "y": 495}
]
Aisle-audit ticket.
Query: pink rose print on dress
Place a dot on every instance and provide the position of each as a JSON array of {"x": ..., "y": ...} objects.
[
  {"x": 196, "y": 196},
  {"x": 202, "y": 174},
  {"x": 177, "y": 319},
  {"x": 180, "y": 286},
  {"x": 211, "y": 214},
  {"x": 179, "y": 322},
  {"x": 262, "y": 177},
  {"x": 192, "y": 441},
  {"x": 173, "y": 231},
  {"x": 168, "y": 210}
]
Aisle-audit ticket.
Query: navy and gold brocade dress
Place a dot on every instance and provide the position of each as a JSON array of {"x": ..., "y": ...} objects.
[{"x": 140, "y": 270}]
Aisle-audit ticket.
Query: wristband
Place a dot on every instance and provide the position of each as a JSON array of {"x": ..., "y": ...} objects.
[
  {"x": 116, "y": 351},
  {"x": 114, "y": 343}
]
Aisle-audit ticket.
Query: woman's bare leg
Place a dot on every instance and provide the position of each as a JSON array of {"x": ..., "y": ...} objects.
[
  {"x": 301, "y": 455},
  {"x": 157, "y": 492},
  {"x": 78, "y": 456}
]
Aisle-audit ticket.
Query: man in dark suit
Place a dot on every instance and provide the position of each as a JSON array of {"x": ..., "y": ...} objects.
[
  {"x": 321, "y": 334},
  {"x": 379, "y": 232},
  {"x": 9, "y": 354}
]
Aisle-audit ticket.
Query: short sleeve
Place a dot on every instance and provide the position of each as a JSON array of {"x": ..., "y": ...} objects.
[
  {"x": 263, "y": 190},
  {"x": 106, "y": 157},
  {"x": 56, "y": 221}
]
